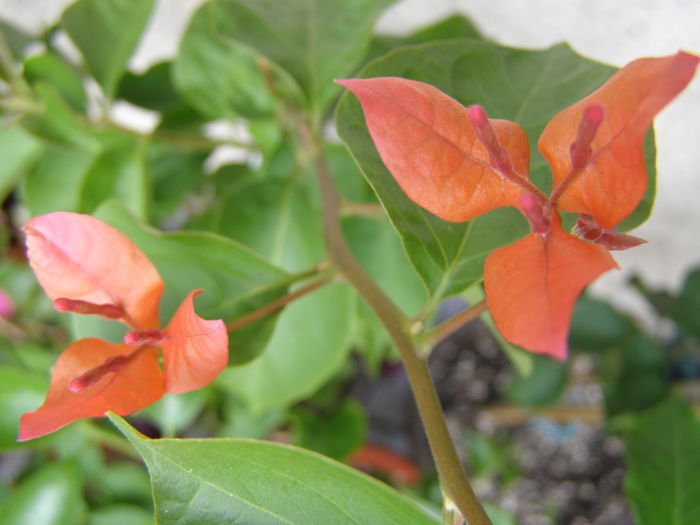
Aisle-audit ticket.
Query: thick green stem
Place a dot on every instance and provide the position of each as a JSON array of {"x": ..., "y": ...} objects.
[{"x": 452, "y": 476}]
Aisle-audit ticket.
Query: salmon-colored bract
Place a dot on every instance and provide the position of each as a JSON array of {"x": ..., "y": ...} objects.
[
  {"x": 458, "y": 164},
  {"x": 88, "y": 267}
]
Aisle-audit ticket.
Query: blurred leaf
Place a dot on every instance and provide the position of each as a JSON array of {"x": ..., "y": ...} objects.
[
  {"x": 56, "y": 181},
  {"x": 118, "y": 173},
  {"x": 661, "y": 300},
  {"x": 542, "y": 386},
  {"x": 17, "y": 40},
  {"x": 18, "y": 151},
  {"x": 310, "y": 343},
  {"x": 449, "y": 256},
  {"x": 51, "y": 496},
  {"x": 175, "y": 412},
  {"x": 451, "y": 28},
  {"x": 56, "y": 121},
  {"x": 106, "y": 32},
  {"x": 217, "y": 75},
  {"x": 335, "y": 435},
  {"x": 20, "y": 391},
  {"x": 121, "y": 482},
  {"x": 315, "y": 41},
  {"x": 53, "y": 69},
  {"x": 663, "y": 460},
  {"x": 235, "y": 280},
  {"x": 596, "y": 326},
  {"x": 121, "y": 515},
  {"x": 152, "y": 89},
  {"x": 687, "y": 305},
  {"x": 263, "y": 483},
  {"x": 242, "y": 422}
]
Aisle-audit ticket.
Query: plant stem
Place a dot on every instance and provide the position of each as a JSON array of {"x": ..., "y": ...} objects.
[
  {"x": 280, "y": 303},
  {"x": 454, "y": 323},
  {"x": 452, "y": 476}
]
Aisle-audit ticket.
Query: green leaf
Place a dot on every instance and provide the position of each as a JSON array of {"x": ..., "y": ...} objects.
[
  {"x": 118, "y": 172},
  {"x": 175, "y": 412},
  {"x": 685, "y": 311},
  {"x": 542, "y": 386},
  {"x": 663, "y": 460},
  {"x": 152, "y": 89},
  {"x": 310, "y": 343},
  {"x": 217, "y": 75},
  {"x": 18, "y": 151},
  {"x": 106, "y": 33},
  {"x": 51, "y": 496},
  {"x": 263, "y": 483},
  {"x": 596, "y": 326},
  {"x": 315, "y": 41},
  {"x": 20, "y": 391},
  {"x": 235, "y": 280},
  {"x": 53, "y": 69},
  {"x": 120, "y": 515},
  {"x": 528, "y": 87},
  {"x": 450, "y": 28},
  {"x": 55, "y": 182},
  {"x": 335, "y": 435}
]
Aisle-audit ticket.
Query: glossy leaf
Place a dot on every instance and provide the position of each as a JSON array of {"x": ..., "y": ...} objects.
[
  {"x": 428, "y": 144},
  {"x": 51, "y": 496},
  {"x": 532, "y": 284},
  {"x": 235, "y": 280},
  {"x": 263, "y": 483},
  {"x": 138, "y": 384},
  {"x": 195, "y": 351},
  {"x": 78, "y": 257},
  {"x": 663, "y": 459},
  {"x": 106, "y": 32},
  {"x": 315, "y": 41},
  {"x": 527, "y": 87},
  {"x": 614, "y": 180}
]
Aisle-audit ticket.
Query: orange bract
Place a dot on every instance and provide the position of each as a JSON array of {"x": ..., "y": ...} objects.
[
  {"x": 532, "y": 285},
  {"x": 78, "y": 257},
  {"x": 194, "y": 350},
  {"x": 88, "y": 267},
  {"x": 615, "y": 179},
  {"x": 134, "y": 387},
  {"x": 428, "y": 144}
]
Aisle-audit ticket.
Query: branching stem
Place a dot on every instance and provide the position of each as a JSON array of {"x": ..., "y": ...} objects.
[
  {"x": 452, "y": 476},
  {"x": 454, "y": 323}
]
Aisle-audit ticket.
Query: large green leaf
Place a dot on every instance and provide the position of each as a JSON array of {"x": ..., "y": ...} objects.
[
  {"x": 278, "y": 218},
  {"x": 663, "y": 459},
  {"x": 235, "y": 280},
  {"x": 52, "y": 68},
  {"x": 221, "y": 481},
  {"x": 18, "y": 150},
  {"x": 51, "y": 496},
  {"x": 315, "y": 41},
  {"x": 107, "y": 32},
  {"x": 528, "y": 87}
]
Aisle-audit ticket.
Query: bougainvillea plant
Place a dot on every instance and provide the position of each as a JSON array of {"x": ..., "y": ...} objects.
[
  {"x": 458, "y": 164},
  {"x": 319, "y": 264},
  {"x": 88, "y": 267}
]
